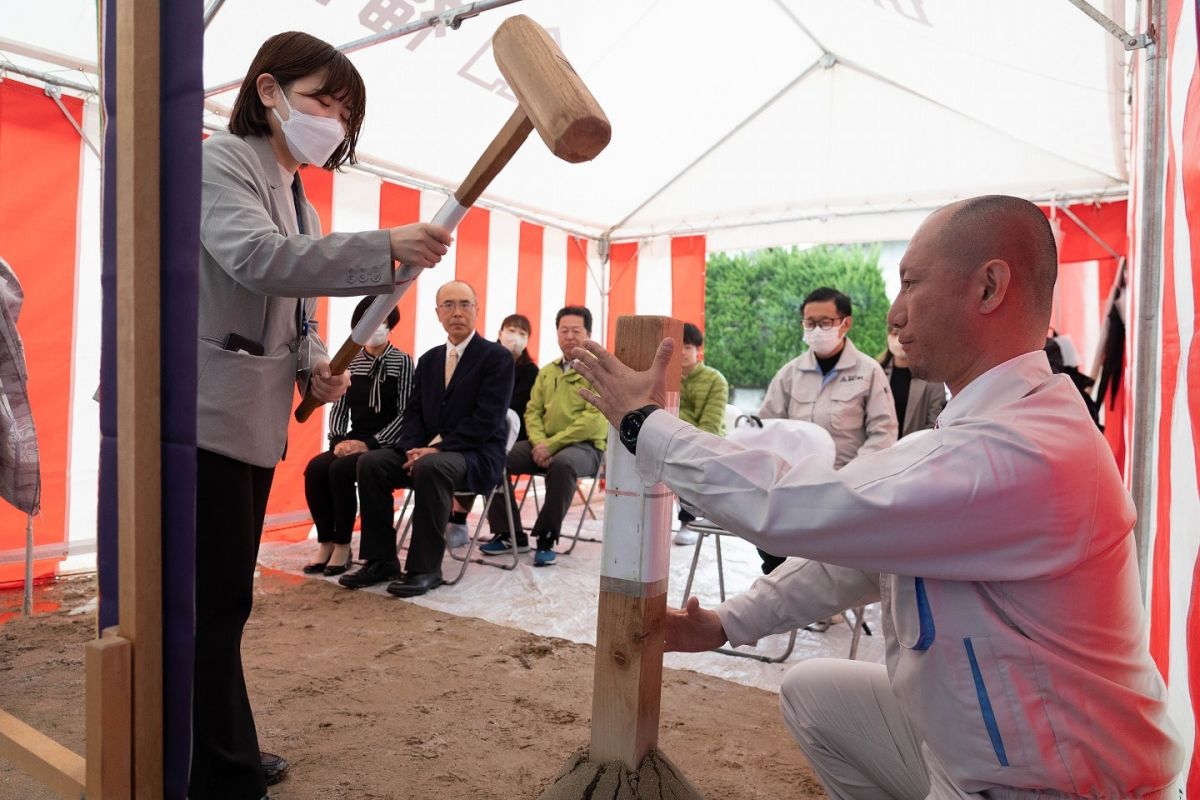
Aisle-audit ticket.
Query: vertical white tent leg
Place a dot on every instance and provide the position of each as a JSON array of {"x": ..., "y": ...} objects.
[{"x": 1145, "y": 328}]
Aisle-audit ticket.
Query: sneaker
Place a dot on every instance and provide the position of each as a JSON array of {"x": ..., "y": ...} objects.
[
  {"x": 457, "y": 535},
  {"x": 499, "y": 546},
  {"x": 544, "y": 558},
  {"x": 686, "y": 536},
  {"x": 820, "y": 626},
  {"x": 371, "y": 573}
]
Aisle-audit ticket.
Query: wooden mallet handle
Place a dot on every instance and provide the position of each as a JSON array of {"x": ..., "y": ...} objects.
[{"x": 551, "y": 99}]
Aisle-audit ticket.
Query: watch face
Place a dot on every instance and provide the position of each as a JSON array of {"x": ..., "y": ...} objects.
[{"x": 630, "y": 425}]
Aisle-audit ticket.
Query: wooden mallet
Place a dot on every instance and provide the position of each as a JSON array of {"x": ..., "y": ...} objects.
[{"x": 552, "y": 100}]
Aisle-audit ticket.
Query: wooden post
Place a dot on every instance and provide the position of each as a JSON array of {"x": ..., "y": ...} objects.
[
  {"x": 633, "y": 577},
  {"x": 138, "y": 391},
  {"x": 109, "y": 711}
]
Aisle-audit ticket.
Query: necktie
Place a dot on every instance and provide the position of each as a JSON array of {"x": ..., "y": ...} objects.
[{"x": 451, "y": 362}]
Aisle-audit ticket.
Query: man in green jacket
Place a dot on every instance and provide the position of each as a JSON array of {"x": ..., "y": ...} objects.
[
  {"x": 703, "y": 395},
  {"x": 566, "y": 441}
]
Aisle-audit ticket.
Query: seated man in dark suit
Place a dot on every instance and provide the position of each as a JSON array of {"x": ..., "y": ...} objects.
[{"x": 452, "y": 438}]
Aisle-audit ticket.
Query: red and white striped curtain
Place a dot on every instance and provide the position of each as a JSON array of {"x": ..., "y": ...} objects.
[
  {"x": 1174, "y": 588},
  {"x": 49, "y": 233},
  {"x": 514, "y": 265}
]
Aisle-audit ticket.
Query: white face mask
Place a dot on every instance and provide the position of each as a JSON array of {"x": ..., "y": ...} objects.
[
  {"x": 515, "y": 342},
  {"x": 894, "y": 347},
  {"x": 379, "y": 337},
  {"x": 823, "y": 342},
  {"x": 311, "y": 139}
]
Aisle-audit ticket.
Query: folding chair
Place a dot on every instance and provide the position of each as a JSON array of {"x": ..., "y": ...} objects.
[
  {"x": 514, "y": 427},
  {"x": 596, "y": 478},
  {"x": 531, "y": 488},
  {"x": 782, "y": 434},
  {"x": 703, "y": 528}
]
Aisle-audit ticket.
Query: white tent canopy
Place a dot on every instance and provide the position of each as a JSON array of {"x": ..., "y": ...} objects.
[{"x": 762, "y": 122}]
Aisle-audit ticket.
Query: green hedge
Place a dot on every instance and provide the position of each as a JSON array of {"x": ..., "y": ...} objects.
[{"x": 752, "y": 307}]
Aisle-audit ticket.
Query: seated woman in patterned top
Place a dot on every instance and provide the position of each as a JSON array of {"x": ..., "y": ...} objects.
[{"x": 365, "y": 418}]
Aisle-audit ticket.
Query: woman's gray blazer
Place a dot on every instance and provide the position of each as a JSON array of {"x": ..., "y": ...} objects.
[{"x": 255, "y": 270}]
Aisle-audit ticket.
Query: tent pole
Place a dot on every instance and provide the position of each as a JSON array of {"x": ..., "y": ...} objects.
[
  {"x": 1095, "y": 237},
  {"x": 604, "y": 246},
  {"x": 209, "y": 13},
  {"x": 27, "y": 602},
  {"x": 48, "y": 79},
  {"x": 1149, "y": 277},
  {"x": 451, "y": 19},
  {"x": 1126, "y": 38}
]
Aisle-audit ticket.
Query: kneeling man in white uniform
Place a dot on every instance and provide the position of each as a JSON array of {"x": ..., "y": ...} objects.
[{"x": 1000, "y": 544}]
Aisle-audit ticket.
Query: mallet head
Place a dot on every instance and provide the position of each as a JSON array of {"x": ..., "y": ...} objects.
[{"x": 552, "y": 95}]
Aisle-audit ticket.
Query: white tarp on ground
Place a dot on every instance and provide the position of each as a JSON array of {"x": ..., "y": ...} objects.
[
  {"x": 561, "y": 600},
  {"x": 759, "y": 122}
]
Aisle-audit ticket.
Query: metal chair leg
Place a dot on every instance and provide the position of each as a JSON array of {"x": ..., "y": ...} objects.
[
  {"x": 587, "y": 508},
  {"x": 587, "y": 505},
  {"x": 687, "y": 587},
  {"x": 587, "y": 501},
  {"x": 720, "y": 569},
  {"x": 765, "y": 659},
  {"x": 860, "y": 620},
  {"x": 512, "y": 537},
  {"x": 716, "y": 533},
  {"x": 402, "y": 534}
]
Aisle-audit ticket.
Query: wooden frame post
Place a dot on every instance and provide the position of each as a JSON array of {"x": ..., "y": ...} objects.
[
  {"x": 633, "y": 577},
  {"x": 139, "y": 469},
  {"x": 109, "y": 664},
  {"x": 124, "y": 666}
]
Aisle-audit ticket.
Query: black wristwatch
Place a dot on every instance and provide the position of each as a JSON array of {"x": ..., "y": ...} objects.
[{"x": 631, "y": 426}]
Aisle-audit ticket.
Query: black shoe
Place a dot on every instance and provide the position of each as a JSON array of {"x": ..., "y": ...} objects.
[
  {"x": 338, "y": 569},
  {"x": 371, "y": 573},
  {"x": 315, "y": 567},
  {"x": 414, "y": 584},
  {"x": 274, "y": 767}
]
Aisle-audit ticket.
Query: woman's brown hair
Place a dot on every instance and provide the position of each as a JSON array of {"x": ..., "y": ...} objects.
[{"x": 289, "y": 57}]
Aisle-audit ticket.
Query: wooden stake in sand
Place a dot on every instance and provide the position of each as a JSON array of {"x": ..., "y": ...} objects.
[{"x": 622, "y": 761}]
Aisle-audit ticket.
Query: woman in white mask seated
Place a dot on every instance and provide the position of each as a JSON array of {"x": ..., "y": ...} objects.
[
  {"x": 514, "y": 335},
  {"x": 263, "y": 259},
  {"x": 366, "y": 417}
]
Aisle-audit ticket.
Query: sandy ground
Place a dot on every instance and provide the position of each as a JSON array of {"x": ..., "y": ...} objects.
[{"x": 371, "y": 697}]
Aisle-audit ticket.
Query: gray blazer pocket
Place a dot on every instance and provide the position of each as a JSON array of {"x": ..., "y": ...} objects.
[{"x": 244, "y": 403}]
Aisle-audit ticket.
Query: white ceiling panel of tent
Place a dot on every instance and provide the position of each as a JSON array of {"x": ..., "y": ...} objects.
[{"x": 762, "y": 121}]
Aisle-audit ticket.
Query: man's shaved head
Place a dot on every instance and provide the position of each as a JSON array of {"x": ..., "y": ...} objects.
[
  {"x": 976, "y": 288},
  {"x": 1010, "y": 229}
]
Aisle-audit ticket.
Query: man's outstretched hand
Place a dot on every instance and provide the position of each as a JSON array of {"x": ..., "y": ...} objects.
[
  {"x": 693, "y": 629},
  {"x": 617, "y": 389}
]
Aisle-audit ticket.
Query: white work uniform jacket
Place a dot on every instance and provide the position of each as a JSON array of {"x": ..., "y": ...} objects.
[
  {"x": 1000, "y": 544},
  {"x": 853, "y": 402}
]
